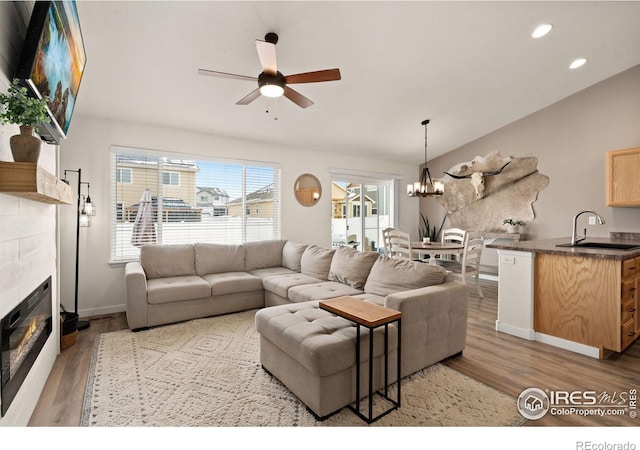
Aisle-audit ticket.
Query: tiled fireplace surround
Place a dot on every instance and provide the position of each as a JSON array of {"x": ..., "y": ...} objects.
[
  {"x": 28, "y": 255},
  {"x": 28, "y": 229}
]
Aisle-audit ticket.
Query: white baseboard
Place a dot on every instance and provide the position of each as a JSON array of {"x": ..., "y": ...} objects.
[
  {"x": 530, "y": 335},
  {"x": 576, "y": 347},
  {"x": 94, "y": 312}
]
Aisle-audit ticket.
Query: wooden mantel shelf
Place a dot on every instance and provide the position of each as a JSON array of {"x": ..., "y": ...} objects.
[{"x": 28, "y": 180}]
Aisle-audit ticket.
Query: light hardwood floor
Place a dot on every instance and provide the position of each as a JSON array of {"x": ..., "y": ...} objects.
[{"x": 507, "y": 363}]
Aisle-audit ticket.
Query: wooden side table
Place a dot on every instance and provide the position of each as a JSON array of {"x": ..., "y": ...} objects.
[{"x": 370, "y": 316}]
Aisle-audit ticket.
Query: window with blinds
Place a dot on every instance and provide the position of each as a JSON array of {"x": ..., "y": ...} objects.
[{"x": 159, "y": 198}]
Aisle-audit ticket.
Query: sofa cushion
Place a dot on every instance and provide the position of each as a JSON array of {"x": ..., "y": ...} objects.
[
  {"x": 316, "y": 262},
  {"x": 217, "y": 258},
  {"x": 175, "y": 289},
  {"x": 352, "y": 267},
  {"x": 320, "y": 291},
  {"x": 232, "y": 282},
  {"x": 280, "y": 284},
  {"x": 271, "y": 271},
  {"x": 160, "y": 261},
  {"x": 372, "y": 298},
  {"x": 319, "y": 340},
  {"x": 292, "y": 254},
  {"x": 390, "y": 275},
  {"x": 261, "y": 254}
]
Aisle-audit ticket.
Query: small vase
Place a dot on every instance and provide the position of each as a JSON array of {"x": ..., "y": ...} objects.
[
  {"x": 25, "y": 147},
  {"x": 513, "y": 228}
]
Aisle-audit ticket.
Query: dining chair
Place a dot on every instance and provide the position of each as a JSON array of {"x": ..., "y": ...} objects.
[
  {"x": 453, "y": 236},
  {"x": 470, "y": 263},
  {"x": 397, "y": 244}
]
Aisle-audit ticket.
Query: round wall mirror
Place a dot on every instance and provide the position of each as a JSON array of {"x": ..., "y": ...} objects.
[{"x": 307, "y": 189}]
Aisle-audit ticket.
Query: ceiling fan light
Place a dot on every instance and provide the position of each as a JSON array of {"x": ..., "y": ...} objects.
[
  {"x": 271, "y": 85},
  {"x": 271, "y": 90}
]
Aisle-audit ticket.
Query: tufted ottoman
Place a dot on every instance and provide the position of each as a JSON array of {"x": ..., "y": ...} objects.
[{"x": 312, "y": 352}]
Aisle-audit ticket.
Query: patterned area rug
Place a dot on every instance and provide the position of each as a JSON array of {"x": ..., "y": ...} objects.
[{"x": 207, "y": 372}]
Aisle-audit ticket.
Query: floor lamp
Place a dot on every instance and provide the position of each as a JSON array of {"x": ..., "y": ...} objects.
[{"x": 85, "y": 209}]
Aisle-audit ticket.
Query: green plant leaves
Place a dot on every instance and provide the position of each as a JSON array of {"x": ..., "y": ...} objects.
[{"x": 22, "y": 109}]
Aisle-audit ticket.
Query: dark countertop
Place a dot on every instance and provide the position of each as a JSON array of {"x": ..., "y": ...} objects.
[{"x": 550, "y": 246}]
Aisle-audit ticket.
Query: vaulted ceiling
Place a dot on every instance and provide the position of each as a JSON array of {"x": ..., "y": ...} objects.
[{"x": 469, "y": 67}]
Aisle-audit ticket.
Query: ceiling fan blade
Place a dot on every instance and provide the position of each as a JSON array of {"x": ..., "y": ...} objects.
[
  {"x": 267, "y": 55},
  {"x": 297, "y": 98},
  {"x": 213, "y": 73},
  {"x": 314, "y": 77},
  {"x": 249, "y": 97}
]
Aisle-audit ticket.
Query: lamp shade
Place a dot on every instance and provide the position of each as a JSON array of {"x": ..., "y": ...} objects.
[
  {"x": 89, "y": 207},
  {"x": 85, "y": 220}
]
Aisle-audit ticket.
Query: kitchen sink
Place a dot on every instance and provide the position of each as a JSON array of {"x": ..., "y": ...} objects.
[{"x": 605, "y": 245}]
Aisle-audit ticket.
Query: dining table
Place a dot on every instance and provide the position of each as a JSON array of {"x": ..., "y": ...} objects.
[{"x": 436, "y": 248}]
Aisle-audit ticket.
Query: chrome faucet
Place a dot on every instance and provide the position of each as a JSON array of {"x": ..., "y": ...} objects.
[{"x": 574, "y": 238}]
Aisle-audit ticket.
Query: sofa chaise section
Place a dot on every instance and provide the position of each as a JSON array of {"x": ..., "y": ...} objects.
[{"x": 296, "y": 337}]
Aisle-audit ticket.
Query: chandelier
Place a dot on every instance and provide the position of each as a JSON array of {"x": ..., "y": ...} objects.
[{"x": 425, "y": 186}]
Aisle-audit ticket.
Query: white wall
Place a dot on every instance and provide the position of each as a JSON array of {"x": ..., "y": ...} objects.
[
  {"x": 570, "y": 139},
  {"x": 101, "y": 285}
]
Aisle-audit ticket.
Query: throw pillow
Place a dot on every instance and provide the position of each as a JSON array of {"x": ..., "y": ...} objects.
[
  {"x": 390, "y": 275},
  {"x": 316, "y": 261},
  {"x": 291, "y": 255},
  {"x": 218, "y": 258},
  {"x": 161, "y": 261},
  {"x": 352, "y": 267},
  {"x": 262, "y": 254}
]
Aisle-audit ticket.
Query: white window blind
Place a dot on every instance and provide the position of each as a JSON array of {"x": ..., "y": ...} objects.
[{"x": 190, "y": 200}]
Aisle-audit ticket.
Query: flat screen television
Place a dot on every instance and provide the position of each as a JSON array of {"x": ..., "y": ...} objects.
[{"x": 52, "y": 63}]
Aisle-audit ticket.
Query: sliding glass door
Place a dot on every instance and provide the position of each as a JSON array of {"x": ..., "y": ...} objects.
[{"x": 360, "y": 211}]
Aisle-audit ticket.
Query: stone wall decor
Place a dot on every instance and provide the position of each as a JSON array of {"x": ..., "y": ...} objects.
[{"x": 481, "y": 193}]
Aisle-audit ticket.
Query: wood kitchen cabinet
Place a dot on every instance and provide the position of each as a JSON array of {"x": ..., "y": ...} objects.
[
  {"x": 630, "y": 300},
  {"x": 591, "y": 301},
  {"x": 623, "y": 179}
]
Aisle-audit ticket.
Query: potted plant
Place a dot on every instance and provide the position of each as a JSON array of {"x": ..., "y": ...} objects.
[
  {"x": 513, "y": 225},
  {"x": 426, "y": 232},
  {"x": 21, "y": 109}
]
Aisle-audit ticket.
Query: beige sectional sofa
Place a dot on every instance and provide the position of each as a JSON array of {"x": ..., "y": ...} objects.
[{"x": 173, "y": 283}]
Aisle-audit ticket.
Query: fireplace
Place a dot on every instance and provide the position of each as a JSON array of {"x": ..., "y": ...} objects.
[{"x": 24, "y": 331}]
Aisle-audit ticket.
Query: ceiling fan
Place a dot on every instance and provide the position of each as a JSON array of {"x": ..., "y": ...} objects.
[{"x": 271, "y": 83}]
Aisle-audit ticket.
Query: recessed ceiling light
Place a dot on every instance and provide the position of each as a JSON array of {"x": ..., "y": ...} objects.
[
  {"x": 541, "y": 30},
  {"x": 577, "y": 63}
]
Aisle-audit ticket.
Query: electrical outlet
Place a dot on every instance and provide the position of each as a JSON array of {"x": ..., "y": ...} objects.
[
  {"x": 508, "y": 260},
  {"x": 592, "y": 220}
]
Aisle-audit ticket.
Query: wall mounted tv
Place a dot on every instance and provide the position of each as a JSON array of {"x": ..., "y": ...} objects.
[{"x": 52, "y": 63}]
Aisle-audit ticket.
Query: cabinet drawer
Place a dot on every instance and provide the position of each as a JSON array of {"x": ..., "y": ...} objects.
[
  {"x": 628, "y": 289},
  {"x": 628, "y": 332},
  {"x": 628, "y": 310},
  {"x": 630, "y": 267}
]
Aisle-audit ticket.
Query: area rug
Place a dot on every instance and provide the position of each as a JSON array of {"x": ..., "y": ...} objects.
[{"x": 207, "y": 372}]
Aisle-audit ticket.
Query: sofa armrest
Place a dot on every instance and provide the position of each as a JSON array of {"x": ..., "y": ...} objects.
[
  {"x": 136, "y": 294},
  {"x": 434, "y": 323}
]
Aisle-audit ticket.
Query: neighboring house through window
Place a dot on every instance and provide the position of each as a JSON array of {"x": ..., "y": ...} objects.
[
  {"x": 171, "y": 178},
  {"x": 363, "y": 205},
  {"x": 190, "y": 200}
]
